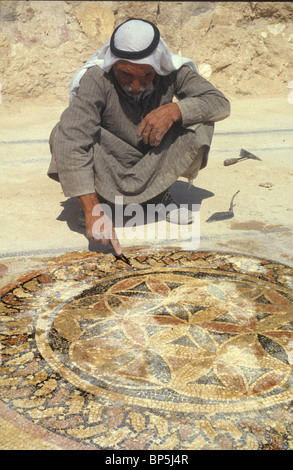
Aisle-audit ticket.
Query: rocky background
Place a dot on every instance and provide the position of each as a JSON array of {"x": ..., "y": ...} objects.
[{"x": 244, "y": 48}]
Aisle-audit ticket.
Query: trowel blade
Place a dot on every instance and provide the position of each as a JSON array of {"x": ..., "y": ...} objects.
[
  {"x": 220, "y": 216},
  {"x": 246, "y": 154}
]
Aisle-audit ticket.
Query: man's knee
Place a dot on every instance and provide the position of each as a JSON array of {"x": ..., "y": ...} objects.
[{"x": 199, "y": 162}]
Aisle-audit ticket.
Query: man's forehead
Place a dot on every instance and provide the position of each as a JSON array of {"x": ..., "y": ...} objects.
[{"x": 135, "y": 69}]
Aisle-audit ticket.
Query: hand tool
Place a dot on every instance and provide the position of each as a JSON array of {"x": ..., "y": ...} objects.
[
  {"x": 244, "y": 155},
  {"x": 123, "y": 258},
  {"x": 223, "y": 215}
]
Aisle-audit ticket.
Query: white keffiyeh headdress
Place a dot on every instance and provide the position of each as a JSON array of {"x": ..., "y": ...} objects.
[{"x": 137, "y": 41}]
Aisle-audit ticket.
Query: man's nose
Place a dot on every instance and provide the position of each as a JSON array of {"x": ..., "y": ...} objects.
[{"x": 135, "y": 84}]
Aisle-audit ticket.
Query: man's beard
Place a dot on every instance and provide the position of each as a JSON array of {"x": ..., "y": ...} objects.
[{"x": 131, "y": 92}]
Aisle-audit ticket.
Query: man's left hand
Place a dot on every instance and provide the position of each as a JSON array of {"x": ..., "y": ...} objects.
[{"x": 155, "y": 125}]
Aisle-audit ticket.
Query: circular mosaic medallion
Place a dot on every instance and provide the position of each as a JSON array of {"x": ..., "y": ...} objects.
[{"x": 185, "y": 350}]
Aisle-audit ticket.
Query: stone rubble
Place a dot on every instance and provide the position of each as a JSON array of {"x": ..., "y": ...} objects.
[{"x": 244, "y": 48}]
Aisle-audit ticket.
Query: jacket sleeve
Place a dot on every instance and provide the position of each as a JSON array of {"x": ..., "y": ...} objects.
[
  {"x": 75, "y": 135},
  {"x": 199, "y": 101}
]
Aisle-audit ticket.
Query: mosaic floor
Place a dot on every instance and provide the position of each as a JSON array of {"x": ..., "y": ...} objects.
[{"x": 184, "y": 350}]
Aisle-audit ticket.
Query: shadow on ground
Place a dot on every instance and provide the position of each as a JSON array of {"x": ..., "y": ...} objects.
[{"x": 182, "y": 192}]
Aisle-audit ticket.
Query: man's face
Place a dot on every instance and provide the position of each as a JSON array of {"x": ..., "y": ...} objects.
[{"x": 134, "y": 78}]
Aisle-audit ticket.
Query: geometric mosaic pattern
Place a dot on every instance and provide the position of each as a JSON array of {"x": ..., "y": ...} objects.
[{"x": 185, "y": 350}]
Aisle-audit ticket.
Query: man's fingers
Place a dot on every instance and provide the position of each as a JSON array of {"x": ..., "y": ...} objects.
[
  {"x": 146, "y": 133},
  {"x": 155, "y": 124},
  {"x": 116, "y": 246},
  {"x": 143, "y": 128},
  {"x": 107, "y": 241},
  {"x": 156, "y": 136},
  {"x": 103, "y": 232},
  {"x": 140, "y": 129},
  {"x": 152, "y": 135}
]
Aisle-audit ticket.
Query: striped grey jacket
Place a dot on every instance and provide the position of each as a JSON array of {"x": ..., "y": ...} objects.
[{"x": 95, "y": 147}]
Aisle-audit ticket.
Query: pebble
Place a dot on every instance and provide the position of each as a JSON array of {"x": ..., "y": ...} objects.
[{"x": 266, "y": 185}]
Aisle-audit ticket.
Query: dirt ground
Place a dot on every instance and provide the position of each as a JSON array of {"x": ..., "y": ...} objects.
[{"x": 38, "y": 222}]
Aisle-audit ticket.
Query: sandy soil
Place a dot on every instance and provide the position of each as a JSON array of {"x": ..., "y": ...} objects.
[{"x": 38, "y": 222}]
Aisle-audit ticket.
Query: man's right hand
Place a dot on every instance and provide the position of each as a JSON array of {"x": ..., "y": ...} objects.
[{"x": 99, "y": 226}]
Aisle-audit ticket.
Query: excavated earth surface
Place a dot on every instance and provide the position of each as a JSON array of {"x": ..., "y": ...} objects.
[{"x": 191, "y": 346}]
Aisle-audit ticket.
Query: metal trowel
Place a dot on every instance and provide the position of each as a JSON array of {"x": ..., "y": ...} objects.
[
  {"x": 244, "y": 155},
  {"x": 223, "y": 215}
]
